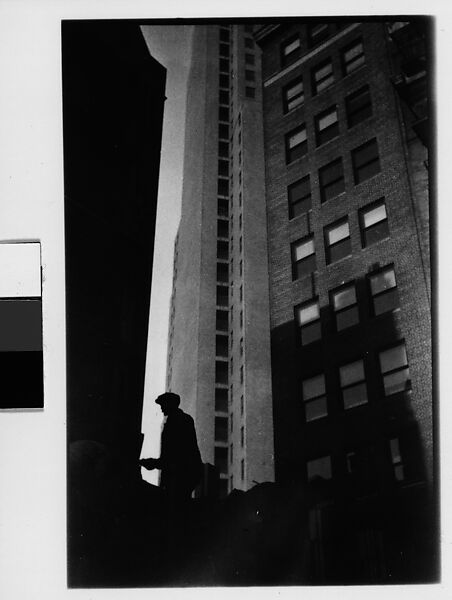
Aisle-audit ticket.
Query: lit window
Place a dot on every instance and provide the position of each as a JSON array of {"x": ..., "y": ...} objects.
[
  {"x": 322, "y": 77},
  {"x": 314, "y": 398},
  {"x": 293, "y": 95},
  {"x": 326, "y": 126},
  {"x": 299, "y": 195},
  {"x": 337, "y": 241},
  {"x": 318, "y": 33},
  {"x": 396, "y": 458},
  {"x": 331, "y": 180},
  {"x": 359, "y": 106},
  {"x": 303, "y": 258},
  {"x": 366, "y": 162},
  {"x": 319, "y": 468},
  {"x": 395, "y": 371},
  {"x": 353, "y": 57},
  {"x": 290, "y": 50},
  {"x": 353, "y": 384},
  {"x": 345, "y": 306},
  {"x": 307, "y": 317},
  {"x": 296, "y": 144},
  {"x": 374, "y": 223},
  {"x": 383, "y": 287}
]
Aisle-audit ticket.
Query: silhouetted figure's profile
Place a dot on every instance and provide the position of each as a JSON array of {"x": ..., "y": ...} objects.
[{"x": 180, "y": 460}]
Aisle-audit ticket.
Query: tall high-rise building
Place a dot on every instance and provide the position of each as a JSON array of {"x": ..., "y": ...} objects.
[{"x": 300, "y": 330}]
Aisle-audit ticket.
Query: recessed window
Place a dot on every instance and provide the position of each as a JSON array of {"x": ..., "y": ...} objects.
[
  {"x": 222, "y": 273},
  {"x": 224, "y": 65},
  {"x": 307, "y": 316},
  {"x": 241, "y": 375},
  {"x": 250, "y": 75},
  {"x": 331, "y": 180},
  {"x": 221, "y": 322},
  {"x": 221, "y": 429},
  {"x": 223, "y": 207},
  {"x": 250, "y": 92},
  {"x": 224, "y": 34},
  {"x": 326, "y": 126},
  {"x": 221, "y": 400},
  {"x": 314, "y": 398},
  {"x": 224, "y": 50},
  {"x": 221, "y": 459},
  {"x": 353, "y": 384},
  {"x": 222, "y": 228},
  {"x": 224, "y": 97},
  {"x": 223, "y": 168},
  {"x": 383, "y": 287},
  {"x": 249, "y": 59},
  {"x": 242, "y": 436},
  {"x": 318, "y": 33},
  {"x": 223, "y": 149},
  {"x": 223, "y": 131},
  {"x": 358, "y": 106},
  {"x": 353, "y": 57},
  {"x": 303, "y": 258},
  {"x": 373, "y": 221},
  {"x": 345, "y": 306},
  {"x": 322, "y": 77},
  {"x": 299, "y": 195},
  {"x": 221, "y": 372},
  {"x": 223, "y": 113},
  {"x": 221, "y": 345},
  {"x": 319, "y": 468},
  {"x": 366, "y": 161},
  {"x": 223, "y": 250},
  {"x": 396, "y": 458},
  {"x": 293, "y": 95},
  {"x": 290, "y": 50},
  {"x": 222, "y": 295},
  {"x": 394, "y": 370},
  {"x": 249, "y": 42},
  {"x": 337, "y": 241},
  {"x": 296, "y": 144},
  {"x": 224, "y": 80},
  {"x": 223, "y": 187}
]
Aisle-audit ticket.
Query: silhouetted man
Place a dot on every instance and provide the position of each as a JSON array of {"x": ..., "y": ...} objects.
[{"x": 180, "y": 460}]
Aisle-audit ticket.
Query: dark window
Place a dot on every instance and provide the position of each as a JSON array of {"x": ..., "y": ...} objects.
[
  {"x": 221, "y": 400},
  {"x": 221, "y": 429},
  {"x": 241, "y": 343},
  {"x": 337, "y": 241},
  {"x": 345, "y": 306},
  {"x": 361, "y": 469},
  {"x": 223, "y": 168},
  {"x": 249, "y": 42},
  {"x": 221, "y": 459},
  {"x": 222, "y": 273},
  {"x": 352, "y": 57},
  {"x": 314, "y": 398},
  {"x": 383, "y": 287},
  {"x": 319, "y": 468},
  {"x": 242, "y": 469},
  {"x": 366, "y": 162},
  {"x": 223, "y": 207},
  {"x": 224, "y": 65},
  {"x": 326, "y": 126},
  {"x": 293, "y": 94},
  {"x": 221, "y": 372},
  {"x": 223, "y": 149},
  {"x": 303, "y": 258},
  {"x": 331, "y": 180},
  {"x": 394, "y": 370},
  {"x": 231, "y": 452},
  {"x": 322, "y": 76},
  {"x": 318, "y": 33},
  {"x": 296, "y": 143},
  {"x": 359, "y": 106},
  {"x": 224, "y": 80},
  {"x": 396, "y": 459},
  {"x": 307, "y": 316},
  {"x": 223, "y": 187},
  {"x": 249, "y": 59},
  {"x": 299, "y": 195},
  {"x": 290, "y": 50},
  {"x": 242, "y": 405},
  {"x": 248, "y": 28},
  {"x": 241, "y": 374},
  {"x": 373, "y": 221},
  {"x": 250, "y": 75},
  {"x": 223, "y": 131},
  {"x": 224, "y": 35},
  {"x": 353, "y": 384},
  {"x": 241, "y": 319},
  {"x": 222, "y": 250},
  {"x": 224, "y": 50},
  {"x": 242, "y": 436},
  {"x": 223, "y": 113},
  {"x": 250, "y": 92},
  {"x": 222, "y": 228},
  {"x": 222, "y": 295},
  {"x": 224, "y": 97}
]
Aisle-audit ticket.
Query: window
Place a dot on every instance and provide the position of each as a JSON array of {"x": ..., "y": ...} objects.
[
  {"x": 241, "y": 268},
  {"x": 373, "y": 221},
  {"x": 394, "y": 370},
  {"x": 242, "y": 436},
  {"x": 353, "y": 384},
  {"x": 221, "y": 400},
  {"x": 249, "y": 43},
  {"x": 290, "y": 50},
  {"x": 224, "y": 64},
  {"x": 249, "y": 59},
  {"x": 241, "y": 346},
  {"x": 326, "y": 126},
  {"x": 396, "y": 458},
  {"x": 221, "y": 459},
  {"x": 293, "y": 95},
  {"x": 337, "y": 241},
  {"x": 224, "y": 97},
  {"x": 361, "y": 468},
  {"x": 224, "y": 35},
  {"x": 303, "y": 258},
  {"x": 314, "y": 398},
  {"x": 322, "y": 77},
  {"x": 223, "y": 131},
  {"x": 222, "y": 273},
  {"x": 358, "y": 106},
  {"x": 221, "y": 372},
  {"x": 307, "y": 317},
  {"x": 221, "y": 429},
  {"x": 352, "y": 57},
  {"x": 223, "y": 168},
  {"x": 242, "y": 405},
  {"x": 223, "y": 149},
  {"x": 241, "y": 375},
  {"x": 366, "y": 162},
  {"x": 345, "y": 306},
  {"x": 222, "y": 250},
  {"x": 250, "y": 92},
  {"x": 241, "y": 293},
  {"x": 221, "y": 323},
  {"x": 224, "y": 50},
  {"x": 383, "y": 287},
  {"x": 319, "y": 468},
  {"x": 224, "y": 80},
  {"x": 296, "y": 143},
  {"x": 222, "y": 295},
  {"x": 231, "y": 453},
  {"x": 331, "y": 180},
  {"x": 222, "y": 207},
  {"x": 232, "y": 365},
  {"x": 242, "y": 469},
  {"x": 223, "y": 187},
  {"x": 299, "y": 195},
  {"x": 222, "y": 228},
  {"x": 241, "y": 319},
  {"x": 223, "y": 113},
  {"x": 221, "y": 345},
  {"x": 250, "y": 75},
  {"x": 318, "y": 33}
]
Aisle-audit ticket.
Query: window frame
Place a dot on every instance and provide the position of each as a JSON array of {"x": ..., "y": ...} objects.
[
  {"x": 309, "y": 259},
  {"x": 361, "y": 383},
  {"x": 358, "y": 168},
  {"x": 300, "y": 149},
  {"x": 318, "y": 459},
  {"x": 346, "y": 63},
  {"x": 329, "y": 132},
  {"x": 298, "y": 97},
  {"x": 328, "y": 184},
  {"x": 297, "y": 203},
  {"x": 369, "y": 231},
  {"x": 366, "y": 107},
  {"x": 331, "y": 248},
  {"x": 290, "y": 57},
  {"x": 348, "y": 309},
  {"x": 391, "y": 372},
  {"x": 310, "y": 331},
  {"x": 391, "y": 291},
  {"x": 318, "y": 84},
  {"x": 315, "y": 399}
]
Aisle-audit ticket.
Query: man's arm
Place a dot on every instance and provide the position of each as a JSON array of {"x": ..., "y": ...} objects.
[{"x": 150, "y": 463}]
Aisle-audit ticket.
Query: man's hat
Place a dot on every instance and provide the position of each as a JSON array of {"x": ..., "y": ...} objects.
[{"x": 168, "y": 398}]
